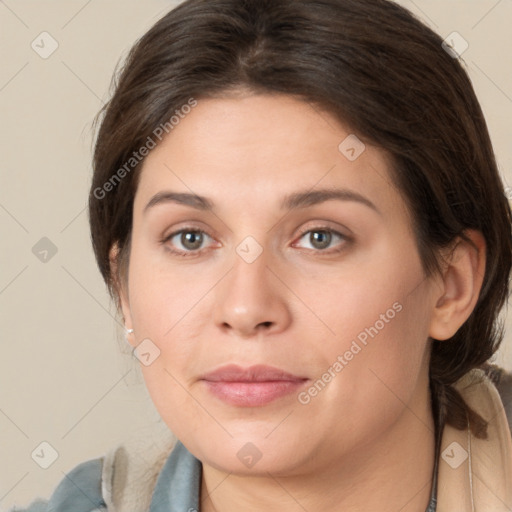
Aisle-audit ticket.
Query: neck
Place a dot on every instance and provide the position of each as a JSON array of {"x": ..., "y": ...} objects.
[{"x": 392, "y": 473}]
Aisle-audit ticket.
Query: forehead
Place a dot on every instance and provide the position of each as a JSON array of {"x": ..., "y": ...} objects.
[{"x": 260, "y": 148}]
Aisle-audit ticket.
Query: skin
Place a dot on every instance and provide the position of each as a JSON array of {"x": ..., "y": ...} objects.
[{"x": 366, "y": 440}]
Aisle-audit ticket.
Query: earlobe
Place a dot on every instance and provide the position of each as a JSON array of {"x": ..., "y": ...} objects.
[
  {"x": 461, "y": 284},
  {"x": 122, "y": 295}
]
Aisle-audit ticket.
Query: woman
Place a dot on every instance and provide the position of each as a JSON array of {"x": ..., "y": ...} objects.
[{"x": 296, "y": 206}]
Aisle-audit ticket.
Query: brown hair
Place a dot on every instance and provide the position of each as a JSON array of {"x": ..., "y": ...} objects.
[{"x": 378, "y": 69}]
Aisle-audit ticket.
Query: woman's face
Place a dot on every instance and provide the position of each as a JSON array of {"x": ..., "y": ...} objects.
[{"x": 265, "y": 233}]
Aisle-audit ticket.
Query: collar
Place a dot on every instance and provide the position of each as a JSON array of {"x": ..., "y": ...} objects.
[
  {"x": 179, "y": 483},
  {"x": 476, "y": 474}
]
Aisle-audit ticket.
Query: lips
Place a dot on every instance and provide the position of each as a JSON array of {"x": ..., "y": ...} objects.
[
  {"x": 253, "y": 386},
  {"x": 258, "y": 373}
]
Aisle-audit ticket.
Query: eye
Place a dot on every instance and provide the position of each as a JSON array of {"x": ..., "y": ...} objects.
[
  {"x": 321, "y": 239},
  {"x": 186, "y": 241}
]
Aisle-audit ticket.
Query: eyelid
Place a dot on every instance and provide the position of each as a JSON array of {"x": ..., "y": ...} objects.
[
  {"x": 187, "y": 228},
  {"x": 303, "y": 231},
  {"x": 323, "y": 227}
]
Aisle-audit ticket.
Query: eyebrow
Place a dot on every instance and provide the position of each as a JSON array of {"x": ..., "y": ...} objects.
[
  {"x": 312, "y": 197},
  {"x": 193, "y": 200},
  {"x": 301, "y": 199}
]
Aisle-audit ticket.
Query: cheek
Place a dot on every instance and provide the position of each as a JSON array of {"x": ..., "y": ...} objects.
[
  {"x": 374, "y": 296},
  {"x": 165, "y": 311},
  {"x": 164, "y": 297},
  {"x": 369, "y": 373},
  {"x": 378, "y": 321},
  {"x": 169, "y": 308}
]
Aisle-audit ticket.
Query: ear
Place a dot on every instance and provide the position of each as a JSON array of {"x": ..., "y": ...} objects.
[
  {"x": 121, "y": 290},
  {"x": 460, "y": 285}
]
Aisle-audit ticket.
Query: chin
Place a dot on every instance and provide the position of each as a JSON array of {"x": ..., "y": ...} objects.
[{"x": 252, "y": 455}]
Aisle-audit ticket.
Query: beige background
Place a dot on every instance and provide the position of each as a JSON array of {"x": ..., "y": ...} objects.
[{"x": 65, "y": 376}]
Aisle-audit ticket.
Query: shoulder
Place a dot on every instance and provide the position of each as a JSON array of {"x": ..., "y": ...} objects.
[
  {"x": 79, "y": 490},
  {"x": 38, "y": 505},
  {"x": 122, "y": 480}
]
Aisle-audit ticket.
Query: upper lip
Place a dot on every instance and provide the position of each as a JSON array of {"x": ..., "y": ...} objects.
[{"x": 256, "y": 373}]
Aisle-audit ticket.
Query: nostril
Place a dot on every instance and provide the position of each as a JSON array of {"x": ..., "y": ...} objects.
[{"x": 247, "y": 329}]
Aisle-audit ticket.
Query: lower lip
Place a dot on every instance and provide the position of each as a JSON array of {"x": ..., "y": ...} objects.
[{"x": 253, "y": 394}]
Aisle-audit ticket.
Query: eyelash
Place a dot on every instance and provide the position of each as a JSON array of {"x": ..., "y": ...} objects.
[
  {"x": 184, "y": 254},
  {"x": 188, "y": 254},
  {"x": 344, "y": 239}
]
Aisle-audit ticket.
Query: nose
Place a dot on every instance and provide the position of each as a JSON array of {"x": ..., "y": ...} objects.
[{"x": 251, "y": 300}]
